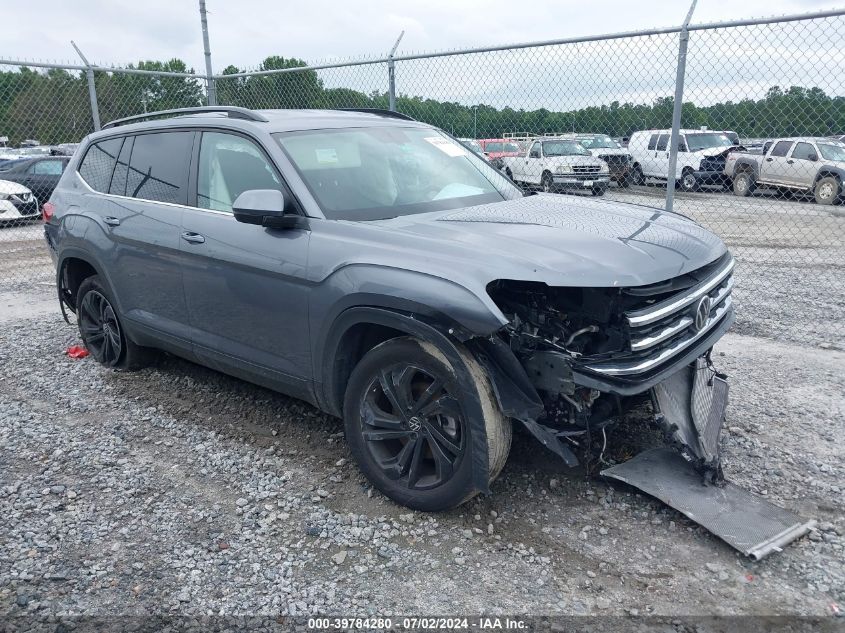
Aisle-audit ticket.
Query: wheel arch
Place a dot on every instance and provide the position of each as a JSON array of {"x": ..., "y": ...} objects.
[
  {"x": 826, "y": 171},
  {"x": 72, "y": 268},
  {"x": 381, "y": 324}
]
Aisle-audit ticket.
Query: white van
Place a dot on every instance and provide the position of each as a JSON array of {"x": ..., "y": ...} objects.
[{"x": 701, "y": 156}]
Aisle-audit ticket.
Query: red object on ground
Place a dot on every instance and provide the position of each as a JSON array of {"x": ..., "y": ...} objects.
[
  {"x": 76, "y": 351},
  {"x": 47, "y": 210}
]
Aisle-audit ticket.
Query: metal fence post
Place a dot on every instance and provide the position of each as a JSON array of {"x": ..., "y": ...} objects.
[
  {"x": 92, "y": 89},
  {"x": 683, "y": 41},
  {"x": 391, "y": 75},
  {"x": 211, "y": 87}
]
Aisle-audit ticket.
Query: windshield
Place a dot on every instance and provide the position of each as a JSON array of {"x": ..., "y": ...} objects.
[
  {"x": 376, "y": 173},
  {"x": 598, "y": 142},
  {"x": 832, "y": 152},
  {"x": 564, "y": 148},
  {"x": 498, "y": 146},
  {"x": 707, "y": 140}
]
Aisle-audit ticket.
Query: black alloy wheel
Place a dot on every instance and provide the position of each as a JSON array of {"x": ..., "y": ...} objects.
[
  {"x": 413, "y": 427},
  {"x": 100, "y": 328}
]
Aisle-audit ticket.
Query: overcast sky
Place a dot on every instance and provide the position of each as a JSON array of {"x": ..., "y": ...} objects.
[{"x": 246, "y": 31}]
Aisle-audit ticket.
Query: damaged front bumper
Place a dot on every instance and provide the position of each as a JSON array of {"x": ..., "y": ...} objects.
[{"x": 668, "y": 362}]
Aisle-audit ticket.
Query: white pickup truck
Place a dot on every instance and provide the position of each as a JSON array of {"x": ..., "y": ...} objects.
[
  {"x": 557, "y": 165},
  {"x": 807, "y": 164}
]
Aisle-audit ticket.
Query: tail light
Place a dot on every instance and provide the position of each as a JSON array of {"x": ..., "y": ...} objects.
[{"x": 47, "y": 211}]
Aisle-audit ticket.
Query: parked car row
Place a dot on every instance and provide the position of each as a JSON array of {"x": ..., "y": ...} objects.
[{"x": 28, "y": 176}]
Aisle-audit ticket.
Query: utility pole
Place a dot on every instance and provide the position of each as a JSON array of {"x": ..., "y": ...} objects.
[
  {"x": 683, "y": 41},
  {"x": 92, "y": 89},
  {"x": 391, "y": 75},
  {"x": 209, "y": 74}
]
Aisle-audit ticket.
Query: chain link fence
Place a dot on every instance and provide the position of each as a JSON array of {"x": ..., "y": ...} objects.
[{"x": 755, "y": 139}]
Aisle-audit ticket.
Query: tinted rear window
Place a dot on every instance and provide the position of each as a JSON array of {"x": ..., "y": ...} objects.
[
  {"x": 118, "y": 181},
  {"x": 97, "y": 166},
  {"x": 158, "y": 168},
  {"x": 782, "y": 148}
]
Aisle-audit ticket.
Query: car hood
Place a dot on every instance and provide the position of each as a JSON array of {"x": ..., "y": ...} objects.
[
  {"x": 717, "y": 151},
  {"x": 609, "y": 151},
  {"x": 12, "y": 188},
  {"x": 556, "y": 239},
  {"x": 573, "y": 160}
]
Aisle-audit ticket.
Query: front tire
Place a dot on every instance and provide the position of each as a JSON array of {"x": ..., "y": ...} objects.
[
  {"x": 547, "y": 182},
  {"x": 102, "y": 331},
  {"x": 827, "y": 190},
  {"x": 406, "y": 424},
  {"x": 636, "y": 176},
  {"x": 689, "y": 182}
]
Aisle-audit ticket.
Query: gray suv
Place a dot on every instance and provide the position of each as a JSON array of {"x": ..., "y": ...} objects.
[{"x": 376, "y": 268}]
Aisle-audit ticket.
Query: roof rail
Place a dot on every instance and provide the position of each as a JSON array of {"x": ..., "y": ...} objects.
[
  {"x": 380, "y": 111},
  {"x": 234, "y": 112}
]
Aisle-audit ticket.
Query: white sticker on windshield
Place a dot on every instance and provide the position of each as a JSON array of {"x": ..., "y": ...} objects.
[
  {"x": 326, "y": 156},
  {"x": 446, "y": 146}
]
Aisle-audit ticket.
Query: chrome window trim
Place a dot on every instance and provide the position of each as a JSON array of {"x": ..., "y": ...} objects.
[{"x": 167, "y": 204}]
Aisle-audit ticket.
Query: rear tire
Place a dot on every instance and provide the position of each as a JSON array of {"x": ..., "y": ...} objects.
[
  {"x": 102, "y": 331},
  {"x": 827, "y": 190},
  {"x": 406, "y": 425},
  {"x": 744, "y": 184}
]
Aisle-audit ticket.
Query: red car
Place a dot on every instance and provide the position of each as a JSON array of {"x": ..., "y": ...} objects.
[{"x": 497, "y": 148}]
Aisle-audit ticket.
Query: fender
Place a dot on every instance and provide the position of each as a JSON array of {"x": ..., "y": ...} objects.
[
  {"x": 427, "y": 297},
  {"x": 826, "y": 170},
  {"x": 73, "y": 252},
  {"x": 743, "y": 162},
  {"x": 422, "y": 330}
]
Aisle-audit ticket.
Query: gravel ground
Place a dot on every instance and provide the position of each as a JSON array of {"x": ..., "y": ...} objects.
[{"x": 177, "y": 490}]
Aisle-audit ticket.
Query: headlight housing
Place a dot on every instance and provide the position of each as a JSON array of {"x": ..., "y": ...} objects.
[{"x": 564, "y": 169}]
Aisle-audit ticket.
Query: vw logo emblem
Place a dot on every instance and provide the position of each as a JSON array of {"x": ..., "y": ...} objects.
[
  {"x": 702, "y": 313},
  {"x": 415, "y": 423}
]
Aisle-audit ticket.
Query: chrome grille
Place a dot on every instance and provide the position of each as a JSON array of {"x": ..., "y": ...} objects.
[
  {"x": 586, "y": 169},
  {"x": 666, "y": 328}
]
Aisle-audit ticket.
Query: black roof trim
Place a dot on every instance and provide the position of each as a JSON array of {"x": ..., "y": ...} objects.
[
  {"x": 380, "y": 111},
  {"x": 234, "y": 112}
]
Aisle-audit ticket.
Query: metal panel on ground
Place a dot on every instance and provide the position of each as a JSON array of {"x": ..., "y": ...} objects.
[{"x": 742, "y": 519}]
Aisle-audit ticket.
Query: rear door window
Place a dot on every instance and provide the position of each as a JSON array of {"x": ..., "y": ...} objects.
[
  {"x": 97, "y": 166},
  {"x": 158, "y": 167},
  {"x": 781, "y": 148},
  {"x": 121, "y": 169}
]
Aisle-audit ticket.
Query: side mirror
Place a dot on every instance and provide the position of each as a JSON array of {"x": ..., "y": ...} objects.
[
  {"x": 813, "y": 157},
  {"x": 265, "y": 207}
]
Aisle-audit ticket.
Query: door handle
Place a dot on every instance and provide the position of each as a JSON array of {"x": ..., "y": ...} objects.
[
  {"x": 111, "y": 220},
  {"x": 193, "y": 238},
  {"x": 790, "y": 161},
  {"x": 769, "y": 160}
]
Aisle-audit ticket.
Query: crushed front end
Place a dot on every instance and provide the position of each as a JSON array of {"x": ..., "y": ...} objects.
[{"x": 591, "y": 355}]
